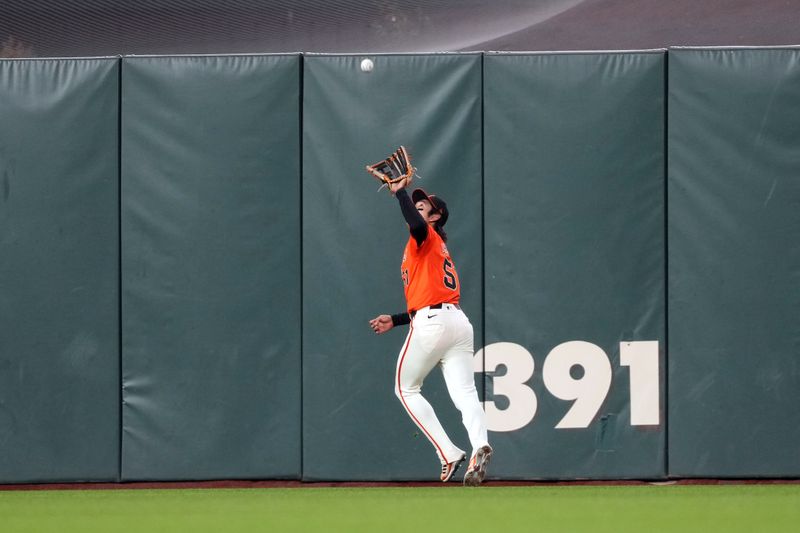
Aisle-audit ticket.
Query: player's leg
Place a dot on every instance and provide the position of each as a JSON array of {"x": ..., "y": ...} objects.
[
  {"x": 416, "y": 360},
  {"x": 457, "y": 368}
]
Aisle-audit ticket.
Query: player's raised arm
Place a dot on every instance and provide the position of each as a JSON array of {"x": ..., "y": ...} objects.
[{"x": 416, "y": 224}]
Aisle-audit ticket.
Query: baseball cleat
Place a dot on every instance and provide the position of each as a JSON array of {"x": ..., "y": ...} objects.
[
  {"x": 448, "y": 469},
  {"x": 477, "y": 466}
]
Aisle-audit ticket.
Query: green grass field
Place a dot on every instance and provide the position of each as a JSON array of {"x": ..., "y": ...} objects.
[{"x": 726, "y": 508}]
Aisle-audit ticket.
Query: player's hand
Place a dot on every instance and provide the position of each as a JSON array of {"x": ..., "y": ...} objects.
[
  {"x": 394, "y": 187},
  {"x": 381, "y": 324}
]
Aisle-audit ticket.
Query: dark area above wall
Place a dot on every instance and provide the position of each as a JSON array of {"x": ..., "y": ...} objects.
[{"x": 43, "y": 28}]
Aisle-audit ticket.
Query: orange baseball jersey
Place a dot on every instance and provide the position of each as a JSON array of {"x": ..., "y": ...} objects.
[{"x": 429, "y": 275}]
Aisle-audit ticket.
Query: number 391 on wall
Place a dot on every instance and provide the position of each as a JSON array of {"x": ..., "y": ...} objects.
[{"x": 588, "y": 391}]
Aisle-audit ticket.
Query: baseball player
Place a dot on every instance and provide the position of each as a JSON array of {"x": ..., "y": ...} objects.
[{"x": 440, "y": 333}]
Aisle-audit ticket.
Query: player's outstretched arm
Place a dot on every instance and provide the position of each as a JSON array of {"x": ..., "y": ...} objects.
[{"x": 416, "y": 224}]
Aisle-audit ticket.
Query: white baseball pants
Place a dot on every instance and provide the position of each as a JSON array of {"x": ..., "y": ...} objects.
[{"x": 441, "y": 336}]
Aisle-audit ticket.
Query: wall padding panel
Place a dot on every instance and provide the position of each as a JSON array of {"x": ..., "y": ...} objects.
[
  {"x": 574, "y": 274},
  {"x": 211, "y": 267},
  {"x": 353, "y": 239},
  {"x": 59, "y": 275},
  {"x": 734, "y": 262}
]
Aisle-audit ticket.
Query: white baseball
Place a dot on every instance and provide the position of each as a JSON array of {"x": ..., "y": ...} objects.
[{"x": 366, "y": 65}]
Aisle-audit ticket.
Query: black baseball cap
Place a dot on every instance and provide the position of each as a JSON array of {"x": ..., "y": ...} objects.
[{"x": 439, "y": 205}]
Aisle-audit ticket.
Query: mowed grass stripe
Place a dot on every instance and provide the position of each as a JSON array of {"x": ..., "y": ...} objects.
[{"x": 725, "y": 508}]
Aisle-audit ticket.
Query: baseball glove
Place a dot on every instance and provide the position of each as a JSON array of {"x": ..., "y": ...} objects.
[{"x": 394, "y": 169}]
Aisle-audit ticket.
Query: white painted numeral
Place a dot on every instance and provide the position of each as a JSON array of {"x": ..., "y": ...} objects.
[
  {"x": 522, "y": 402},
  {"x": 642, "y": 358},
  {"x": 589, "y": 390}
]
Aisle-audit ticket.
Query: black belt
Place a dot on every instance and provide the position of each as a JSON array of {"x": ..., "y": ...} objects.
[{"x": 434, "y": 306}]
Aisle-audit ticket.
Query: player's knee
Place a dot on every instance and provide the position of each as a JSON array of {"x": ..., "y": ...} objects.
[{"x": 405, "y": 391}]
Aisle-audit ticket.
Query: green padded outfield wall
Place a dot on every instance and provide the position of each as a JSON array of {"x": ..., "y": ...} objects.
[
  {"x": 353, "y": 238},
  {"x": 59, "y": 275},
  {"x": 211, "y": 267},
  {"x": 574, "y": 246},
  {"x": 734, "y": 262}
]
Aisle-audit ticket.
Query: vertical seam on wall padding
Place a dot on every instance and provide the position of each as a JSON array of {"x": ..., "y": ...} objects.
[
  {"x": 302, "y": 268},
  {"x": 666, "y": 263},
  {"x": 483, "y": 233},
  {"x": 119, "y": 260}
]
